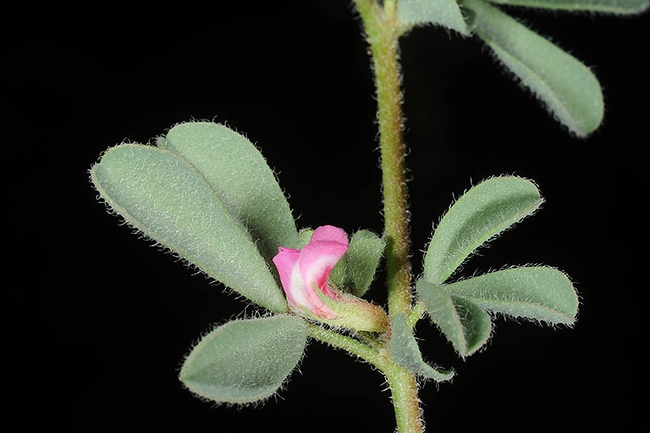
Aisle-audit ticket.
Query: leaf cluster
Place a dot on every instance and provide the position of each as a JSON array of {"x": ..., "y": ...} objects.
[{"x": 566, "y": 87}]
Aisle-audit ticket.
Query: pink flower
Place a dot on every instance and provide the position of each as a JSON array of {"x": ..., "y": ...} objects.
[{"x": 304, "y": 272}]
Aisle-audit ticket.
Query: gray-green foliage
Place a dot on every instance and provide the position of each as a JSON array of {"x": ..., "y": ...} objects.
[
  {"x": 169, "y": 200},
  {"x": 567, "y": 87},
  {"x": 445, "y": 13},
  {"x": 477, "y": 216},
  {"x": 404, "y": 350},
  {"x": 240, "y": 176},
  {"x": 604, "y": 6},
  {"x": 536, "y": 292},
  {"x": 356, "y": 270},
  {"x": 459, "y": 309},
  {"x": 464, "y": 324},
  {"x": 245, "y": 361}
]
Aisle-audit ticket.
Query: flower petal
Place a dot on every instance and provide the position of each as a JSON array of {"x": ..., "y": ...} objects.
[
  {"x": 298, "y": 293},
  {"x": 329, "y": 234},
  {"x": 317, "y": 259},
  {"x": 285, "y": 261}
]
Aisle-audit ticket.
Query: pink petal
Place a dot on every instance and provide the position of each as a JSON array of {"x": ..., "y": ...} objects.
[
  {"x": 298, "y": 293},
  {"x": 329, "y": 233},
  {"x": 285, "y": 261},
  {"x": 317, "y": 259}
]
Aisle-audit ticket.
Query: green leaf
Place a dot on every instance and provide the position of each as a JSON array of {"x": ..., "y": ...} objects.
[
  {"x": 245, "y": 361},
  {"x": 404, "y": 350},
  {"x": 539, "y": 293},
  {"x": 464, "y": 324},
  {"x": 567, "y": 87},
  {"x": 240, "y": 176},
  {"x": 605, "y": 6},
  {"x": 445, "y": 13},
  {"x": 356, "y": 270},
  {"x": 304, "y": 236},
  {"x": 167, "y": 199},
  {"x": 480, "y": 214},
  {"x": 366, "y": 249}
]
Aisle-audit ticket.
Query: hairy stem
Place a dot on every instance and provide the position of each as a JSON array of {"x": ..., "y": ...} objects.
[
  {"x": 348, "y": 344},
  {"x": 383, "y": 31},
  {"x": 404, "y": 389},
  {"x": 402, "y": 383}
]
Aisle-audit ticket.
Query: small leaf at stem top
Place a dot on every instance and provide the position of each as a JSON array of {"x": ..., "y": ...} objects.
[
  {"x": 477, "y": 216},
  {"x": 604, "y": 6},
  {"x": 167, "y": 199},
  {"x": 569, "y": 89},
  {"x": 245, "y": 361}
]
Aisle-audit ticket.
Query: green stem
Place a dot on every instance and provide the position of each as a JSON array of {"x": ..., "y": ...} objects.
[
  {"x": 383, "y": 31},
  {"x": 355, "y": 347},
  {"x": 402, "y": 383},
  {"x": 404, "y": 389}
]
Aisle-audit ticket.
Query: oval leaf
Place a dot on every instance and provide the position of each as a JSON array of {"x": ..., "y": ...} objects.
[
  {"x": 538, "y": 293},
  {"x": 480, "y": 214},
  {"x": 605, "y": 6},
  {"x": 162, "y": 195},
  {"x": 445, "y": 13},
  {"x": 240, "y": 176},
  {"x": 567, "y": 87},
  {"x": 404, "y": 350},
  {"x": 356, "y": 270},
  {"x": 464, "y": 324},
  {"x": 245, "y": 361}
]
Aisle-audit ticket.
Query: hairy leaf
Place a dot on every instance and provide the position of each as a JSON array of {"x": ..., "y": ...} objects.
[
  {"x": 240, "y": 176},
  {"x": 445, "y": 13},
  {"x": 464, "y": 324},
  {"x": 245, "y": 361},
  {"x": 356, "y": 270},
  {"x": 167, "y": 199},
  {"x": 539, "y": 293},
  {"x": 567, "y": 87},
  {"x": 605, "y": 6},
  {"x": 480, "y": 214},
  {"x": 404, "y": 350}
]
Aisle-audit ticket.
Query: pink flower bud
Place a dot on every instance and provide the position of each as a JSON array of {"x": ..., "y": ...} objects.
[{"x": 302, "y": 272}]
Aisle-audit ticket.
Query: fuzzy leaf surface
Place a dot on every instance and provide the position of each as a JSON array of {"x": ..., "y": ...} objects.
[
  {"x": 604, "y": 6},
  {"x": 538, "y": 293},
  {"x": 242, "y": 179},
  {"x": 477, "y": 216},
  {"x": 404, "y": 350},
  {"x": 168, "y": 200},
  {"x": 356, "y": 270},
  {"x": 464, "y": 324},
  {"x": 567, "y": 87},
  {"x": 245, "y": 361},
  {"x": 445, "y": 13}
]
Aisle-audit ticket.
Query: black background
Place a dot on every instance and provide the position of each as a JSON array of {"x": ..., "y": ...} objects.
[{"x": 99, "y": 321}]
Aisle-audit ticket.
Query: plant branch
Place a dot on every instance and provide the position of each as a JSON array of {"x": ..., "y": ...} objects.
[
  {"x": 383, "y": 31},
  {"x": 354, "y": 347},
  {"x": 402, "y": 383}
]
